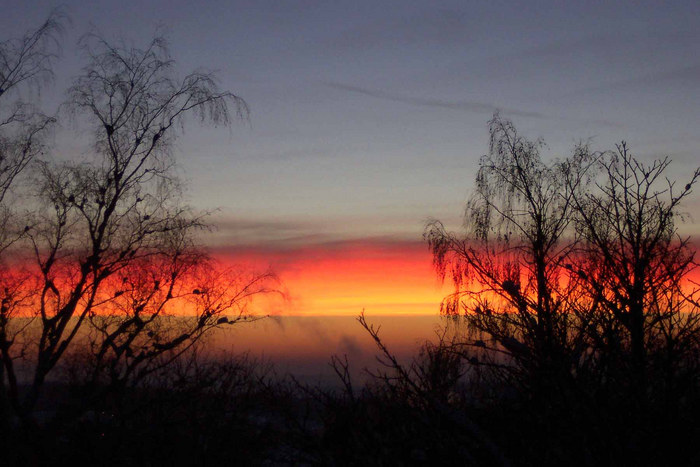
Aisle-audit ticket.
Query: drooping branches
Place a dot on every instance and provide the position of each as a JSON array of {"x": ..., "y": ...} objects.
[
  {"x": 574, "y": 265},
  {"x": 506, "y": 270},
  {"x": 110, "y": 244},
  {"x": 26, "y": 64}
]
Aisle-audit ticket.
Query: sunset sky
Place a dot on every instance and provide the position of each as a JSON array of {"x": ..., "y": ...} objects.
[{"x": 369, "y": 117}]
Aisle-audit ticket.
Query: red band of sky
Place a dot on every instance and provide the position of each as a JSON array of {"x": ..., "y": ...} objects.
[
  {"x": 383, "y": 277},
  {"x": 343, "y": 278}
]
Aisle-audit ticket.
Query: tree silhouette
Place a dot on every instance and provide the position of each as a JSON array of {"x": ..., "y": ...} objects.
[
  {"x": 25, "y": 66},
  {"x": 108, "y": 251},
  {"x": 635, "y": 265},
  {"x": 576, "y": 293},
  {"x": 507, "y": 271}
]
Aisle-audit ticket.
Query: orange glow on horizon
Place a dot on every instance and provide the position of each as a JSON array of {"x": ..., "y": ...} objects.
[
  {"x": 336, "y": 279},
  {"x": 381, "y": 278}
]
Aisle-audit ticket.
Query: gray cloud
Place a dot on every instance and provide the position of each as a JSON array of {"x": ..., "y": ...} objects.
[
  {"x": 464, "y": 106},
  {"x": 257, "y": 227},
  {"x": 284, "y": 233}
]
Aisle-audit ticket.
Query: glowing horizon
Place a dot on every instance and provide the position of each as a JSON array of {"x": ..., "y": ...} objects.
[{"x": 345, "y": 278}]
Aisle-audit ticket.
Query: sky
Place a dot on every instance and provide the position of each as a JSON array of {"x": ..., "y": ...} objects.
[{"x": 369, "y": 117}]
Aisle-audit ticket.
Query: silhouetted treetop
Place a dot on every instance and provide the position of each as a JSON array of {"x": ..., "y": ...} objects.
[{"x": 108, "y": 256}]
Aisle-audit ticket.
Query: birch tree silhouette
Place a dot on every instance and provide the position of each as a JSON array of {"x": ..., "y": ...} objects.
[{"x": 109, "y": 248}]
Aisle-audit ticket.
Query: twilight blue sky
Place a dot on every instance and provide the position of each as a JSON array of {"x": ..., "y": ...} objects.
[{"x": 368, "y": 117}]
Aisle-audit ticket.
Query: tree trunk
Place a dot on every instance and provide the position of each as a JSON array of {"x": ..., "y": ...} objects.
[{"x": 639, "y": 357}]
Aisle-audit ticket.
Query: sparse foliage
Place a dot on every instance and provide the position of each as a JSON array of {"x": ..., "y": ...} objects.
[
  {"x": 634, "y": 265},
  {"x": 108, "y": 256},
  {"x": 574, "y": 286},
  {"x": 507, "y": 270},
  {"x": 26, "y": 65}
]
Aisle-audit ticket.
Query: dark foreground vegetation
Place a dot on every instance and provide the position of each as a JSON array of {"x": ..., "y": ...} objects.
[
  {"x": 443, "y": 408},
  {"x": 574, "y": 336}
]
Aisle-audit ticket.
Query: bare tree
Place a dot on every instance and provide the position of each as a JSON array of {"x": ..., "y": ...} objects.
[
  {"x": 111, "y": 243},
  {"x": 430, "y": 385},
  {"x": 635, "y": 264},
  {"x": 577, "y": 293},
  {"x": 156, "y": 310},
  {"x": 507, "y": 270},
  {"x": 25, "y": 67},
  {"x": 562, "y": 257}
]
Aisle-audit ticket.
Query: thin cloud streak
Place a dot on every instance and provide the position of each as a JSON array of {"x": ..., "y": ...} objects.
[
  {"x": 466, "y": 106},
  {"x": 322, "y": 246},
  {"x": 285, "y": 233}
]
